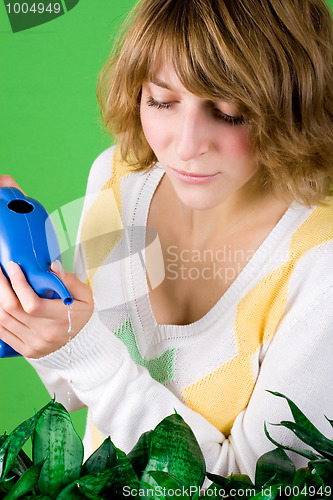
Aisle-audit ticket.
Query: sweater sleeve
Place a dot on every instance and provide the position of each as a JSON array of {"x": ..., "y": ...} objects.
[{"x": 125, "y": 401}]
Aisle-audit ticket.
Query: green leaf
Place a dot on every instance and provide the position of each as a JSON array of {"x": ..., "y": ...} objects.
[
  {"x": 330, "y": 421},
  {"x": 304, "y": 478},
  {"x": 299, "y": 416},
  {"x": 56, "y": 440},
  {"x": 234, "y": 483},
  {"x": 241, "y": 478},
  {"x": 303, "y": 427},
  {"x": 39, "y": 497},
  {"x": 89, "y": 486},
  {"x": 14, "y": 442},
  {"x": 221, "y": 481},
  {"x": 274, "y": 480},
  {"x": 324, "y": 469},
  {"x": 87, "y": 493},
  {"x": 196, "y": 496},
  {"x": 315, "y": 439},
  {"x": 103, "y": 458},
  {"x": 171, "y": 486},
  {"x": 214, "y": 492},
  {"x": 269, "y": 493},
  {"x": 26, "y": 482},
  {"x": 302, "y": 495},
  {"x": 7, "y": 485},
  {"x": 315, "y": 480},
  {"x": 304, "y": 453},
  {"x": 123, "y": 475},
  {"x": 174, "y": 449},
  {"x": 274, "y": 463},
  {"x": 300, "y": 476},
  {"x": 240, "y": 486},
  {"x": 21, "y": 463},
  {"x": 139, "y": 455},
  {"x": 3, "y": 438},
  {"x": 71, "y": 492}
]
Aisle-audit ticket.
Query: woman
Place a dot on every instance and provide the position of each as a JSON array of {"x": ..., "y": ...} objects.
[{"x": 223, "y": 117}]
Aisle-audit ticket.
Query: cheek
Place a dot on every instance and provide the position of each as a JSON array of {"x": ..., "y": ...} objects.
[
  {"x": 238, "y": 154},
  {"x": 236, "y": 143},
  {"x": 153, "y": 129}
]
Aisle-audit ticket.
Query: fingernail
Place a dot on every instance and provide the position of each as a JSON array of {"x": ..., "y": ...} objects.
[
  {"x": 56, "y": 266},
  {"x": 12, "y": 268}
]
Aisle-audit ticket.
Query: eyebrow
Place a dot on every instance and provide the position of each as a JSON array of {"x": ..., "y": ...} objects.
[{"x": 159, "y": 83}]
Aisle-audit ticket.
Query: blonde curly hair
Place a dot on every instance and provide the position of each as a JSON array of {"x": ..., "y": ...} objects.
[{"x": 272, "y": 58}]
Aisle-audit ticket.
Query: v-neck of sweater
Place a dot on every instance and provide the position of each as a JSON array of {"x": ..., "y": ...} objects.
[{"x": 141, "y": 311}]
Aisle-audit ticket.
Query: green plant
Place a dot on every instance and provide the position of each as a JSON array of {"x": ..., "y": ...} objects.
[{"x": 165, "y": 463}]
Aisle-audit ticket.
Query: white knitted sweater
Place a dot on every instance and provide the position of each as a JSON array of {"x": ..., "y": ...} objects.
[{"x": 272, "y": 329}]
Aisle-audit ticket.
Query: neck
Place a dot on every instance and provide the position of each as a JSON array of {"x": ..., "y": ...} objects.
[{"x": 240, "y": 212}]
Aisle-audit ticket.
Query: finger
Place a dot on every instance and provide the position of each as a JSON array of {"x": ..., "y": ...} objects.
[
  {"x": 8, "y": 181},
  {"x": 31, "y": 304},
  {"x": 8, "y": 299},
  {"x": 29, "y": 347},
  {"x": 24, "y": 292},
  {"x": 57, "y": 268},
  {"x": 78, "y": 290},
  {"x": 12, "y": 340},
  {"x": 14, "y": 326}
]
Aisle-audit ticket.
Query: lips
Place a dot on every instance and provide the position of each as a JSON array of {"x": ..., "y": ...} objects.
[
  {"x": 192, "y": 174},
  {"x": 193, "y": 178}
]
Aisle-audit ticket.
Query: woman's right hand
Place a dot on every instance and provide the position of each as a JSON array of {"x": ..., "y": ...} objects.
[{"x": 34, "y": 326}]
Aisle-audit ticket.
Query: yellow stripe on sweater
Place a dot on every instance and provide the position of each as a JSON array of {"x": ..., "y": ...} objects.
[
  {"x": 101, "y": 231},
  {"x": 102, "y": 225},
  {"x": 222, "y": 394},
  {"x": 96, "y": 436}
]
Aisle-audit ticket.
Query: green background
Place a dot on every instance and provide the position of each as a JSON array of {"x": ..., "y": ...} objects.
[{"x": 50, "y": 135}]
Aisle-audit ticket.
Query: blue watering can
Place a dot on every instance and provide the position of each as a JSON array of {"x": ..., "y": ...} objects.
[{"x": 28, "y": 237}]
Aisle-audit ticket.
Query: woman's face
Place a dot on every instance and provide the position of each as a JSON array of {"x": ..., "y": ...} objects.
[{"x": 203, "y": 145}]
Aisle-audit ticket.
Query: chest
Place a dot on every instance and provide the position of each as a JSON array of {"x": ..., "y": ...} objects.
[{"x": 195, "y": 278}]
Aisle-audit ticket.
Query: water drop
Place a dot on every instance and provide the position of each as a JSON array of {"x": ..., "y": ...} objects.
[{"x": 70, "y": 331}]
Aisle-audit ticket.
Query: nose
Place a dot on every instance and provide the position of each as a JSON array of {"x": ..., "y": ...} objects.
[{"x": 193, "y": 134}]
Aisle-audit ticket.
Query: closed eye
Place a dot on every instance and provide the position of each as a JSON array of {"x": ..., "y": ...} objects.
[
  {"x": 217, "y": 113},
  {"x": 220, "y": 115},
  {"x": 157, "y": 104},
  {"x": 233, "y": 120}
]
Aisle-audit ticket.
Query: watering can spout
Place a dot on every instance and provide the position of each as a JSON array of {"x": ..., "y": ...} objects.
[
  {"x": 48, "y": 285},
  {"x": 63, "y": 293}
]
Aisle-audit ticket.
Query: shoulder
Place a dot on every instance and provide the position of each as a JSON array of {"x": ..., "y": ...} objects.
[
  {"x": 310, "y": 260},
  {"x": 101, "y": 170},
  {"x": 321, "y": 218},
  {"x": 315, "y": 231},
  {"x": 109, "y": 170}
]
